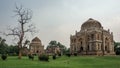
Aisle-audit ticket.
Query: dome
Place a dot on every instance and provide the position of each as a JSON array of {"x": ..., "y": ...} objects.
[
  {"x": 36, "y": 39},
  {"x": 91, "y": 23}
]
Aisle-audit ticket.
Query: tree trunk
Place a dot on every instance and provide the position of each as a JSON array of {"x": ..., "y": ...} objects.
[{"x": 20, "y": 54}]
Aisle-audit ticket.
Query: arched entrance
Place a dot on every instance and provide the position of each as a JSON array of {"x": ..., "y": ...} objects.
[
  {"x": 107, "y": 45},
  {"x": 81, "y": 49}
]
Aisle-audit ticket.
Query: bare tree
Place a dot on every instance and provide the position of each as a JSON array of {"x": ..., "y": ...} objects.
[{"x": 24, "y": 17}]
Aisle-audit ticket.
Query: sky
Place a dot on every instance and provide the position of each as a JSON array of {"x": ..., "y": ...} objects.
[{"x": 58, "y": 19}]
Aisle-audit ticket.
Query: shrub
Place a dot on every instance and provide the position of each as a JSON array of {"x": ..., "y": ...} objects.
[
  {"x": 34, "y": 54},
  {"x": 4, "y": 57},
  {"x": 59, "y": 54},
  {"x": 68, "y": 54},
  {"x": 31, "y": 56},
  {"x": 12, "y": 54},
  {"x": 75, "y": 54},
  {"x": 54, "y": 57},
  {"x": 117, "y": 51},
  {"x": 43, "y": 57}
]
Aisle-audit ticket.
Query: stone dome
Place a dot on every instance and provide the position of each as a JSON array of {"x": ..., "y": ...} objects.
[
  {"x": 36, "y": 39},
  {"x": 91, "y": 23}
]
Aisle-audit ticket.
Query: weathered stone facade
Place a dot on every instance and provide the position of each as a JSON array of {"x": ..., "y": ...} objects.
[
  {"x": 53, "y": 50},
  {"x": 36, "y": 46},
  {"x": 92, "y": 39},
  {"x": 25, "y": 51}
]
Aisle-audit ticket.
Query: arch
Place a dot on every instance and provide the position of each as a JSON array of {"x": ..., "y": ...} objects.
[
  {"x": 98, "y": 37},
  {"x": 105, "y": 48},
  {"x": 80, "y": 39},
  {"x": 81, "y": 42},
  {"x": 74, "y": 40},
  {"x": 88, "y": 37},
  {"x": 37, "y": 51},
  {"x": 74, "y": 48},
  {"x": 99, "y": 46},
  {"x": 106, "y": 44},
  {"x": 106, "y": 39},
  {"x": 92, "y": 36},
  {"x": 88, "y": 47},
  {"x": 81, "y": 48}
]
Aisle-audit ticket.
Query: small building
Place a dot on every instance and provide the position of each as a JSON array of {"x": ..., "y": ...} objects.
[
  {"x": 51, "y": 50},
  {"x": 92, "y": 39},
  {"x": 25, "y": 51},
  {"x": 36, "y": 46}
]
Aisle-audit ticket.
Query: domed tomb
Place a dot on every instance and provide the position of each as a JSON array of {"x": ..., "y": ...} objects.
[
  {"x": 36, "y": 46},
  {"x": 92, "y": 39},
  {"x": 36, "y": 39},
  {"x": 91, "y": 23}
]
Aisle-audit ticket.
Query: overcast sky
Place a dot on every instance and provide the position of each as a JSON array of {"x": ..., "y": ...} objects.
[{"x": 58, "y": 19}]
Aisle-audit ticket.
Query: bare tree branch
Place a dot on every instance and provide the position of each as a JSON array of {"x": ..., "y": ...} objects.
[
  {"x": 24, "y": 17},
  {"x": 31, "y": 28},
  {"x": 26, "y": 42}
]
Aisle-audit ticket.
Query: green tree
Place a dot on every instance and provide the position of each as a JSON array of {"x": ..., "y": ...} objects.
[
  {"x": 117, "y": 48},
  {"x": 3, "y": 46},
  {"x": 62, "y": 47},
  {"x": 54, "y": 43},
  {"x": 13, "y": 50}
]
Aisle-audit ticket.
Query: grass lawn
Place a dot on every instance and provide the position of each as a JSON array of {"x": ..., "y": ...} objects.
[{"x": 63, "y": 62}]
